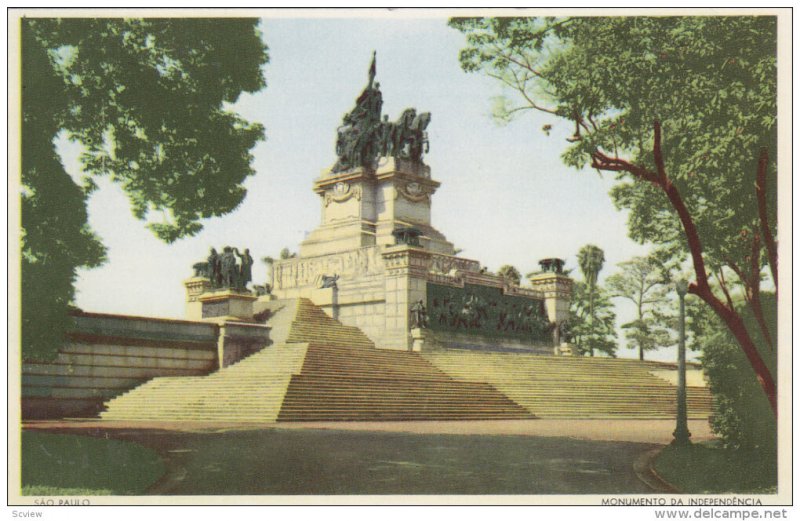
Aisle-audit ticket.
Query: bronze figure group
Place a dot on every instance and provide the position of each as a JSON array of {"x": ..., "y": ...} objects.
[
  {"x": 364, "y": 137},
  {"x": 223, "y": 270}
]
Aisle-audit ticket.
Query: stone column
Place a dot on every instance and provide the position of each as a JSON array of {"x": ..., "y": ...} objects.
[
  {"x": 557, "y": 291},
  {"x": 238, "y": 340},
  {"x": 406, "y": 283},
  {"x": 269, "y": 282}
]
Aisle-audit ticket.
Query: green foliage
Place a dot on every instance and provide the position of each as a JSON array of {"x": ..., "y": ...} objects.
[
  {"x": 510, "y": 274},
  {"x": 647, "y": 334},
  {"x": 590, "y": 260},
  {"x": 55, "y": 464},
  {"x": 707, "y": 468},
  {"x": 148, "y": 101},
  {"x": 641, "y": 281},
  {"x": 743, "y": 419},
  {"x": 682, "y": 110},
  {"x": 710, "y": 81},
  {"x": 56, "y": 238},
  {"x": 593, "y": 313},
  {"x": 591, "y": 320}
]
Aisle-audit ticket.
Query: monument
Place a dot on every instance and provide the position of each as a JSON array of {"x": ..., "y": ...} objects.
[{"x": 377, "y": 244}]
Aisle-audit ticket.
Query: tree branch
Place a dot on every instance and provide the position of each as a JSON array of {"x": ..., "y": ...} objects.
[
  {"x": 602, "y": 161},
  {"x": 657, "y": 155},
  {"x": 761, "y": 196},
  {"x": 723, "y": 285},
  {"x": 755, "y": 293},
  {"x": 700, "y": 287},
  {"x": 521, "y": 90}
]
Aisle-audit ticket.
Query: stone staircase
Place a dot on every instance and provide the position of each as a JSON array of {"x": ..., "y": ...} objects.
[
  {"x": 345, "y": 378},
  {"x": 250, "y": 390},
  {"x": 574, "y": 387},
  {"x": 318, "y": 369}
]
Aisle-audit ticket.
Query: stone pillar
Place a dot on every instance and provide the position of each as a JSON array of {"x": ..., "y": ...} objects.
[
  {"x": 557, "y": 291},
  {"x": 420, "y": 340},
  {"x": 327, "y": 299},
  {"x": 238, "y": 340},
  {"x": 406, "y": 283},
  {"x": 195, "y": 287},
  {"x": 269, "y": 282}
]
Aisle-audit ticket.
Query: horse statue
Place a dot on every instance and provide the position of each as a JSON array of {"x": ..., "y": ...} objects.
[
  {"x": 419, "y": 137},
  {"x": 410, "y": 139}
]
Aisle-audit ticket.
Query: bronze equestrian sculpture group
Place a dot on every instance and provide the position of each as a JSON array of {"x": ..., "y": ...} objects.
[{"x": 363, "y": 137}]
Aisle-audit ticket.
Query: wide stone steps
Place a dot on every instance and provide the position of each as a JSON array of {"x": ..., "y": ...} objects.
[
  {"x": 321, "y": 370},
  {"x": 312, "y": 325},
  {"x": 250, "y": 390},
  {"x": 570, "y": 387},
  {"x": 346, "y": 384}
]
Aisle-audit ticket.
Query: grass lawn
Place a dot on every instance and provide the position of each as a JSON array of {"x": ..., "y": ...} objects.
[
  {"x": 57, "y": 465},
  {"x": 708, "y": 468}
]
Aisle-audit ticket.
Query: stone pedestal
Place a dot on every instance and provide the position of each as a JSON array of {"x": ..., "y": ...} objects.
[
  {"x": 328, "y": 300},
  {"x": 420, "y": 339},
  {"x": 227, "y": 305},
  {"x": 564, "y": 349},
  {"x": 238, "y": 340},
  {"x": 556, "y": 288},
  {"x": 195, "y": 287},
  {"x": 406, "y": 283},
  {"x": 376, "y": 236},
  {"x": 362, "y": 207}
]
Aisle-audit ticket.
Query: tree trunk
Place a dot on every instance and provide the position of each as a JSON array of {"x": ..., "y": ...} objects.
[
  {"x": 703, "y": 290},
  {"x": 736, "y": 326}
]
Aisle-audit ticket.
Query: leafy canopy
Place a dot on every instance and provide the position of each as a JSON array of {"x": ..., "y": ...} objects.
[
  {"x": 150, "y": 102},
  {"x": 710, "y": 81},
  {"x": 591, "y": 323},
  {"x": 510, "y": 274},
  {"x": 683, "y": 110},
  {"x": 641, "y": 281}
]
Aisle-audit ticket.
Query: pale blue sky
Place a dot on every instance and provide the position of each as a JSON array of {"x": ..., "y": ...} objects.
[{"x": 505, "y": 198}]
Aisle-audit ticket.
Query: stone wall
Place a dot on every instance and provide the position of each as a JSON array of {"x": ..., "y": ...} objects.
[{"x": 106, "y": 355}]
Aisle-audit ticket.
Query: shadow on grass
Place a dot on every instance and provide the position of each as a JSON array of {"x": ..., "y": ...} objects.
[
  {"x": 55, "y": 464},
  {"x": 707, "y": 468}
]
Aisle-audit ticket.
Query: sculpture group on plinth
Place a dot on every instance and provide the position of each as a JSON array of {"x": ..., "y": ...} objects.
[
  {"x": 363, "y": 137},
  {"x": 224, "y": 272}
]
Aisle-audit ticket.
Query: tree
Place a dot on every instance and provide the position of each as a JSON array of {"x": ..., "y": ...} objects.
[
  {"x": 683, "y": 111},
  {"x": 641, "y": 281},
  {"x": 510, "y": 274},
  {"x": 148, "y": 100},
  {"x": 591, "y": 326},
  {"x": 590, "y": 261},
  {"x": 742, "y": 419}
]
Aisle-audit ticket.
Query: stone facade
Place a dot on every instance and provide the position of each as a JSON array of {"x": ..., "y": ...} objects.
[
  {"x": 379, "y": 277},
  {"x": 105, "y": 355}
]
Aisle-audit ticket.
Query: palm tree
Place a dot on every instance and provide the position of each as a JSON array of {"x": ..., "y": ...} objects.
[{"x": 590, "y": 260}]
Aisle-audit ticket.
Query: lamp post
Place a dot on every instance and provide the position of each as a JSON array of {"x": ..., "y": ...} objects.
[{"x": 681, "y": 435}]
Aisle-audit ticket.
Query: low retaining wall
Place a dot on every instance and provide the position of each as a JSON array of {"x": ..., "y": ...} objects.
[
  {"x": 106, "y": 355},
  {"x": 439, "y": 340}
]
